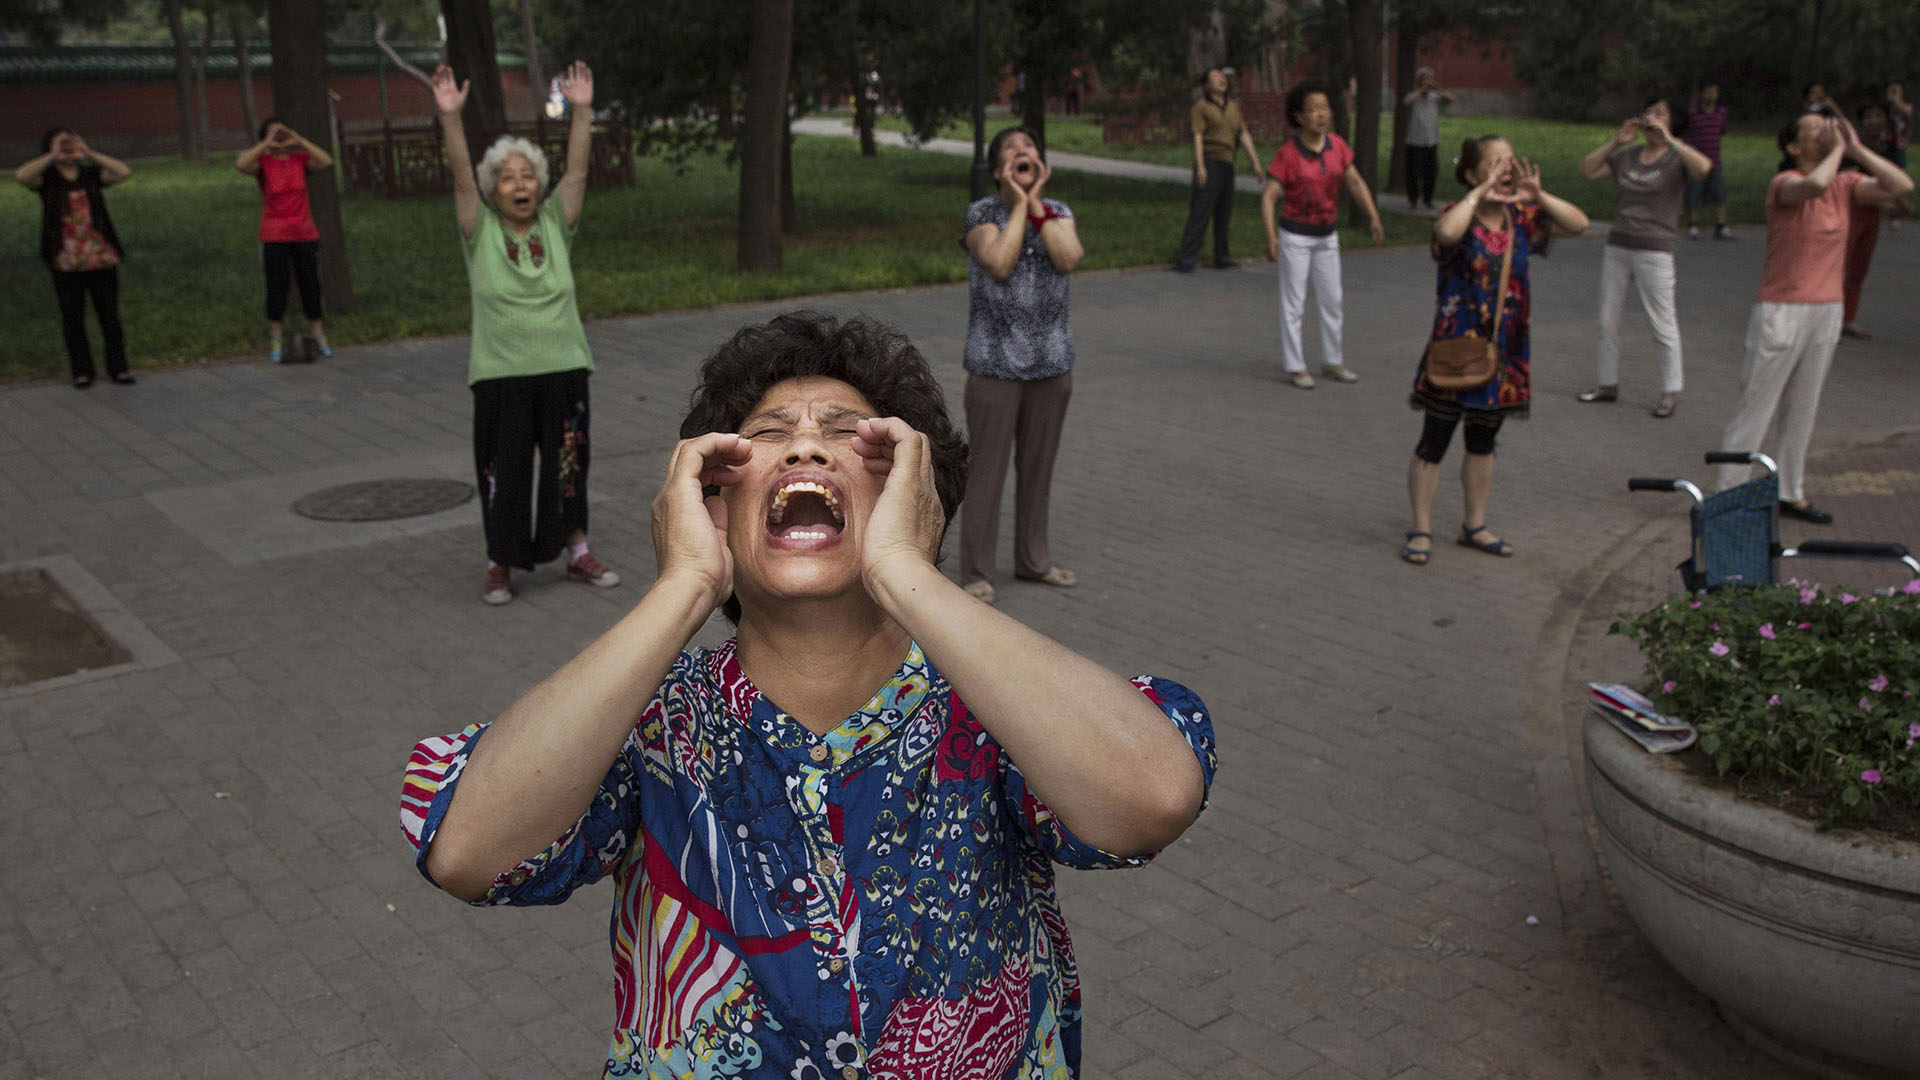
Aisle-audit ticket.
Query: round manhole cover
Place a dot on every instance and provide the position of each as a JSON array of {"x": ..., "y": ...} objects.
[{"x": 383, "y": 500}]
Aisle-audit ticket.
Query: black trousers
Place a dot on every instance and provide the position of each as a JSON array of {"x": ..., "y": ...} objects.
[
  {"x": 1423, "y": 169},
  {"x": 512, "y": 419},
  {"x": 301, "y": 262},
  {"x": 73, "y": 287},
  {"x": 1213, "y": 200}
]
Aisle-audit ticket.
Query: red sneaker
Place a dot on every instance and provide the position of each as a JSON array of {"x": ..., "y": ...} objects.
[
  {"x": 592, "y": 571},
  {"x": 497, "y": 591}
]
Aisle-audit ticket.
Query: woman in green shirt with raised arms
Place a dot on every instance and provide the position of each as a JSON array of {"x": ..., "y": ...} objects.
[{"x": 529, "y": 363}]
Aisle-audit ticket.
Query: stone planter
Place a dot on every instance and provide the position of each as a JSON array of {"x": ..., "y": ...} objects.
[{"x": 1808, "y": 942}]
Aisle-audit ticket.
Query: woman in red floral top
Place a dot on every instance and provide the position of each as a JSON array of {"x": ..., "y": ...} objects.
[
  {"x": 79, "y": 245},
  {"x": 1505, "y": 207}
]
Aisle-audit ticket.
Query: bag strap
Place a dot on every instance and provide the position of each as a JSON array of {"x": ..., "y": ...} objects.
[{"x": 1506, "y": 272}]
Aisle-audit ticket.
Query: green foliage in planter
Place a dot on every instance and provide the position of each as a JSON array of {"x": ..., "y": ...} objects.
[{"x": 1796, "y": 689}]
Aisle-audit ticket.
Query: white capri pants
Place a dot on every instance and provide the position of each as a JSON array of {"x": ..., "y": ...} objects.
[
  {"x": 1789, "y": 348},
  {"x": 1652, "y": 271},
  {"x": 1302, "y": 257}
]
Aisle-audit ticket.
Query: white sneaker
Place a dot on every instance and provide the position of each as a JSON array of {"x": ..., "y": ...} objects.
[
  {"x": 1301, "y": 379},
  {"x": 1693, "y": 232},
  {"x": 1339, "y": 373}
]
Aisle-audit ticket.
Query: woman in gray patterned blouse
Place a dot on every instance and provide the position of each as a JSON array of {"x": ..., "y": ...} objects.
[{"x": 1019, "y": 360}]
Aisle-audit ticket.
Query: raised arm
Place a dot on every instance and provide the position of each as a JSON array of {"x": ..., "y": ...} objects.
[
  {"x": 534, "y": 773},
  {"x": 1594, "y": 165},
  {"x": 248, "y": 160},
  {"x": 1451, "y": 227},
  {"x": 1885, "y": 181},
  {"x": 29, "y": 174},
  {"x": 1814, "y": 183},
  {"x": 997, "y": 249},
  {"x": 1058, "y": 235},
  {"x": 1566, "y": 218},
  {"x": 112, "y": 169},
  {"x": 577, "y": 85},
  {"x": 448, "y": 97},
  {"x": 317, "y": 158},
  {"x": 1102, "y": 757}
]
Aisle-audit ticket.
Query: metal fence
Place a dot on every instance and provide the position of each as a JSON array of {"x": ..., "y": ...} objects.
[{"x": 402, "y": 161}]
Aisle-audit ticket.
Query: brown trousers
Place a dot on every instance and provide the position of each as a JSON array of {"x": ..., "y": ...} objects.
[{"x": 1010, "y": 420}]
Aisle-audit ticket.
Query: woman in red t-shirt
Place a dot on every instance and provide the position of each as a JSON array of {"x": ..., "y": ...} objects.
[
  {"x": 289, "y": 240},
  {"x": 1309, "y": 170}
]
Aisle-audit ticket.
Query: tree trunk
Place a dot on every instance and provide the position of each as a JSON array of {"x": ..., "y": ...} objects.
[
  {"x": 536, "y": 75},
  {"x": 1033, "y": 108},
  {"x": 244, "y": 59},
  {"x": 863, "y": 114},
  {"x": 1363, "y": 23},
  {"x": 190, "y": 147},
  {"x": 471, "y": 55},
  {"x": 1406, "y": 59},
  {"x": 769, "y": 57},
  {"x": 789, "y": 217},
  {"x": 297, "y": 36},
  {"x": 200, "y": 79}
]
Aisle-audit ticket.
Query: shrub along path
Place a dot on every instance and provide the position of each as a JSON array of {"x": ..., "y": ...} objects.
[{"x": 217, "y": 885}]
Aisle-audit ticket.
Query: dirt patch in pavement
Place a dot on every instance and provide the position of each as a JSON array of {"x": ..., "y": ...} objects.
[{"x": 44, "y": 634}]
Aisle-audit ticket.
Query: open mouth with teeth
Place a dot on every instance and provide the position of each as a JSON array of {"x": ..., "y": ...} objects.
[
  {"x": 804, "y": 510},
  {"x": 523, "y": 204}
]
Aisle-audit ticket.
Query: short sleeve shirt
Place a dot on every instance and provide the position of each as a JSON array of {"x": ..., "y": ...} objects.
[
  {"x": 1310, "y": 184},
  {"x": 1467, "y": 289},
  {"x": 1423, "y": 119},
  {"x": 285, "y": 215},
  {"x": 1218, "y": 124},
  {"x": 1017, "y": 328},
  {"x": 1647, "y": 217},
  {"x": 874, "y": 902},
  {"x": 1807, "y": 242},
  {"x": 1705, "y": 128},
  {"x": 525, "y": 318}
]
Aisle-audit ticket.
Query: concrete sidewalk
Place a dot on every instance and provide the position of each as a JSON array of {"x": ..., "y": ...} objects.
[{"x": 210, "y": 880}]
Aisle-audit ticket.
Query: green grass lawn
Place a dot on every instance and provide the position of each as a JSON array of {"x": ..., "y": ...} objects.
[{"x": 191, "y": 287}]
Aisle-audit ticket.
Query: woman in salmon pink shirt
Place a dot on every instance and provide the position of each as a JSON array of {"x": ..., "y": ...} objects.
[
  {"x": 289, "y": 240},
  {"x": 1305, "y": 177},
  {"x": 1796, "y": 323}
]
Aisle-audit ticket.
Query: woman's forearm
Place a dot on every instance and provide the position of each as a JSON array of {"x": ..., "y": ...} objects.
[
  {"x": 1697, "y": 164},
  {"x": 1449, "y": 227},
  {"x": 1102, "y": 757},
  {"x": 1893, "y": 180},
  {"x": 536, "y": 770},
  {"x": 1567, "y": 219},
  {"x": 1594, "y": 165},
  {"x": 29, "y": 174},
  {"x": 1062, "y": 241}
]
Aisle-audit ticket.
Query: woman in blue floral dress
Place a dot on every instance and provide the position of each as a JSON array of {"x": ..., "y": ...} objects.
[{"x": 1505, "y": 204}]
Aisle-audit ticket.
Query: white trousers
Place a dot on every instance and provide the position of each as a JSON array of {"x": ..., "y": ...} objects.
[
  {"x": 1789, "y": 348},
  {"x": 1652, "y": 271},
  {"x": 1302, "y": 257}
]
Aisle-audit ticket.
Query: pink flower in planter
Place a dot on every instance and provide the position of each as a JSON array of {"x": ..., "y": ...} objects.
[
  {"x": 1804, "y": 626},
  {"x": 1766, "y": 631},
  {"x": 1878, "y": 684},
  {"x": 1912, "y": 588},
  {"x": 1867, "y": 705},
  {"x": 1871, "y": 776},
  {"x": 1809, "y": 594},
  {"x": 1695, "y": 606},
  {"x": 1913, "y": 734},
  {"x": 1774, "y": 700},
  {"x": 1719, "y": 648},
  {"x": 1849, "y": 598},
  {"x": 1668, "y": 686}
]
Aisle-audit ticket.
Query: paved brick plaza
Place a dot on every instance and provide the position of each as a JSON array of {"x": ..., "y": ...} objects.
[{"x": 208, "y": 877}]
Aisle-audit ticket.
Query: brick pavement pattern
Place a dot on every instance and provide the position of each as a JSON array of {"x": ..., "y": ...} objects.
[{"x": 208, "y": 876}]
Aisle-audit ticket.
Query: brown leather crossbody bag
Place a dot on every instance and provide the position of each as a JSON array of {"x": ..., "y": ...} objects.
[{"x": 1471, "y": 361}]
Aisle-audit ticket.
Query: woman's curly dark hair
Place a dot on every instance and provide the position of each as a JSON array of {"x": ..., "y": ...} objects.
[
  {"x": 867, "y": 355},
  {"x": 1297, "y": 98}
]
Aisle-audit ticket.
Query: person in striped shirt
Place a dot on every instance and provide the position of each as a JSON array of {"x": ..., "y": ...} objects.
[{"x": 1706, "y": 122}]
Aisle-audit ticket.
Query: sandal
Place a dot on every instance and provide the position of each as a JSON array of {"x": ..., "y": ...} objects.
[
  {"x": 1417, "y": 556},
  {"x": 1665, "y": 408},
  {"x": 1493, "y": 547},
  {"x": 980, "y": 590},
  {"x": 1598, "y": 394},
  {"x": 1056, "y": 576}
]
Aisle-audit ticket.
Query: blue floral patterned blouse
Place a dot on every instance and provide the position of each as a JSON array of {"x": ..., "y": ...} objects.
[
  {"x": 1468, "y": 281},
  {"x": 876, "y": 901}
]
